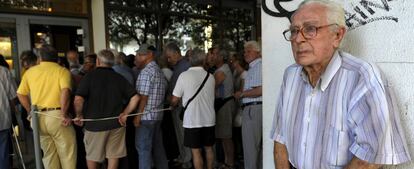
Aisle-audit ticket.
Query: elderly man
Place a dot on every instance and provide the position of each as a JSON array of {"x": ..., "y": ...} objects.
[
  {"x": 199, "y": 117},
  {"x": 224, "y": 105},
  {"x": 49, "y": 87},
  {"x": 252, "y": 107},
  {"x": 180, "y": 64},
  {"x": 104, "y": 93},
  {"x": 151, "y": 85},
  {"x": 72, "y": 57},
  {"x": 7, "y": 94},
  {"x": 334, "y": 110}
]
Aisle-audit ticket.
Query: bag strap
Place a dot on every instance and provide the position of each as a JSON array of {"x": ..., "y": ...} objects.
[{"x": 198, "y": 91}]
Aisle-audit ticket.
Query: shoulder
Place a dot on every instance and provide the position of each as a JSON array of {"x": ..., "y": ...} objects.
[{"x": 368, "y": 71}]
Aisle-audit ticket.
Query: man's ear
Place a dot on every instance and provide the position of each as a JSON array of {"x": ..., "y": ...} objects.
[{"x": 339, "y": 35}]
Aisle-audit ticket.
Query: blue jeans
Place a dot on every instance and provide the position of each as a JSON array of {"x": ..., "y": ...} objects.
[
  {"x": 146, "y": 135},
  {"x": 4, "y": 149}
]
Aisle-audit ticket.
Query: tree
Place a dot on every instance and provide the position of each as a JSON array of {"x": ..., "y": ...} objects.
[{"x": 172, "y": 19}]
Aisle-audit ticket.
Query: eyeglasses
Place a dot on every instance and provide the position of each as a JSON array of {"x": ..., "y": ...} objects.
[{"x": 308, "y": 31}]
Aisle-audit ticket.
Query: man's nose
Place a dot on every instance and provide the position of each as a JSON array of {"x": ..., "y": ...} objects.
[{"x": 299, "y": 37}]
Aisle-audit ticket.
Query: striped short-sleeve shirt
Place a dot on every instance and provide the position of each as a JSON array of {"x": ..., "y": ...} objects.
[
  {"x": 351, "y": 112},
  {"x": 253, "y": 79}
]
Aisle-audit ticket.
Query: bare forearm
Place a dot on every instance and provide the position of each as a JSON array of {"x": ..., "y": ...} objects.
[
  {"x": 142, "y": 103},
  {"x": 78, "y": 104},
  {"x": 25, "y": 101},
  {"x": 280, "y": 156},
  {"x": 133, "y": 102},
  {"x": 174, "y": 101},
  {"x": 255, "y": 92},
  {"x": 64, "y": 101},
  {"x": 357, "y": 163}
]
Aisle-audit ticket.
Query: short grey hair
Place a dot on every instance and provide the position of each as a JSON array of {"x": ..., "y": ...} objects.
[
  {"x": 252, "y": 45},
  {"x": 197, "y": 57},
  {"x": 172, "y": 47},
  {"x": 107, "y": 57},
  {"x": 335, "y": 12}
]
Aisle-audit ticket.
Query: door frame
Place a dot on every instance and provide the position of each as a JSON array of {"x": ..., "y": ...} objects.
[{"x": 23, "y": 30}]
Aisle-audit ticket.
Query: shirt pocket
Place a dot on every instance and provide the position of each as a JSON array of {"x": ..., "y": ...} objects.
[{"x": 337, "y": 148}]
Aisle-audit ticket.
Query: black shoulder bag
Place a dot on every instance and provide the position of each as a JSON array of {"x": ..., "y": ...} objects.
[{"x": 192, "y": 98}]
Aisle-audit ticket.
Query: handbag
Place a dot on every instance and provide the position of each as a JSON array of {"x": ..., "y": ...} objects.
[{"x": 192, "y": 98}]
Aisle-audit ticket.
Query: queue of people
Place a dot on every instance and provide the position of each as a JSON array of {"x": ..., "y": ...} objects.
[{"x": 72, "y": 98}]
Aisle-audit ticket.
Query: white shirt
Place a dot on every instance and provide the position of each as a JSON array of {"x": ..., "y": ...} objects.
[
  {"x": 200, "y": 112},
  {"x": 350, "y": 112}
]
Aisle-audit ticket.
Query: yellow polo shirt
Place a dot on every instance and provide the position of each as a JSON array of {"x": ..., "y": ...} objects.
[{"x": 44, "y": 83}]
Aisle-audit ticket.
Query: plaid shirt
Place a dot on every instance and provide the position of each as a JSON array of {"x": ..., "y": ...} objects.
[{"x": 152, "y": 83}]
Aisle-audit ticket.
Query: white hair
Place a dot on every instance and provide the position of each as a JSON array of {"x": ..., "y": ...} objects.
[
  {"x": 335, "y": 12},
  {"x": 252, "y": 45}
]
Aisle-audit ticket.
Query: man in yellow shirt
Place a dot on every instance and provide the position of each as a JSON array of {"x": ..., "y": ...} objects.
[{"x": 49, "y": 85}]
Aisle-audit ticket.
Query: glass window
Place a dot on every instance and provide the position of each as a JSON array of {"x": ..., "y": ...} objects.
[{"x": 8, "y": 44}]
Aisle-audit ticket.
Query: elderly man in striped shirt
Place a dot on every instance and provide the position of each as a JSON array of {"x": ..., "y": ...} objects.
[{"x": 334, "y": 110}]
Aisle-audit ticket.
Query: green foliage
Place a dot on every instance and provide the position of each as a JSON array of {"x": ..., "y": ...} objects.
[{"x": 141, "y": 20}]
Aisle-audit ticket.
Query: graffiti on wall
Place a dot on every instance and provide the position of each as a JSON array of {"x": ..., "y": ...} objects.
[
  {"x": 368, "y": 11},
  {"x": 281, "y": 11},
  {"x": 359, "y": 13}
]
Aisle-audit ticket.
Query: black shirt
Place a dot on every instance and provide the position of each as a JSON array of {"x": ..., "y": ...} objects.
[{"x": 106, "y": 94}]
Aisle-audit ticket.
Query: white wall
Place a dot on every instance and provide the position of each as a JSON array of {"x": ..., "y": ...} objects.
[{"x": 388, "y": 42}]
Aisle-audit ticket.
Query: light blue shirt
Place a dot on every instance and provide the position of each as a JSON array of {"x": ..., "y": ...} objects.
[
  {"x": 253, "y": 79},
  {"x": 350, "y": 112}
]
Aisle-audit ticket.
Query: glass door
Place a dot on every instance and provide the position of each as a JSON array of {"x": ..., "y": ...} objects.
[{"x": 8, "y": 44}]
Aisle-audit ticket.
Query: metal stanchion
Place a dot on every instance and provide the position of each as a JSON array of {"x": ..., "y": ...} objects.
[{"x": 36, "y": 137}]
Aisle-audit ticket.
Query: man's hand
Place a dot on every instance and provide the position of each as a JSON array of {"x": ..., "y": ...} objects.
[
  {"x": 357, "y": 163},
  {"x": 66, "y": 121},
  {"x": 237, "y": 95},
  {"x": 78, "y": 121},
  {"x": 137, "y": 121},
  {"x": 280, "y": 156},
  {"x": 122, "y": 119}
]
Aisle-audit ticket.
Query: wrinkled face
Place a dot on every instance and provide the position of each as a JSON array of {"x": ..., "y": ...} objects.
[
  {"x": 172, "y": 57},
  {"x": 319, "y": 49},
  {"x": 250, "y": 54}
]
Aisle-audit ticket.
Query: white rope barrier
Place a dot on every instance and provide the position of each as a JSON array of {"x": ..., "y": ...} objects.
[{"x": 106, "y": 118}]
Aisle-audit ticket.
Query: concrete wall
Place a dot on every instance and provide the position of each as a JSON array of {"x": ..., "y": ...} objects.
[{"x": 381, "y": 32}]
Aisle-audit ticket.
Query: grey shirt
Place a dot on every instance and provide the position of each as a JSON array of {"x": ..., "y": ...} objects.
[
  {"x": 7, "y": 93},
  {"x": 225, "y": 89},
  {"x": 126, "y": 72}
]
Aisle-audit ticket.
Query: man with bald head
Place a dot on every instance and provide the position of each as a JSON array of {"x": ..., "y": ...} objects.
[{"x": 334, "y": 110}]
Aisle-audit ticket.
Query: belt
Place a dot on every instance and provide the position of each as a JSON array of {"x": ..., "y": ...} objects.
[
  {"x": 49, "y": 109},
  {"x": 251, "y": 104}
]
